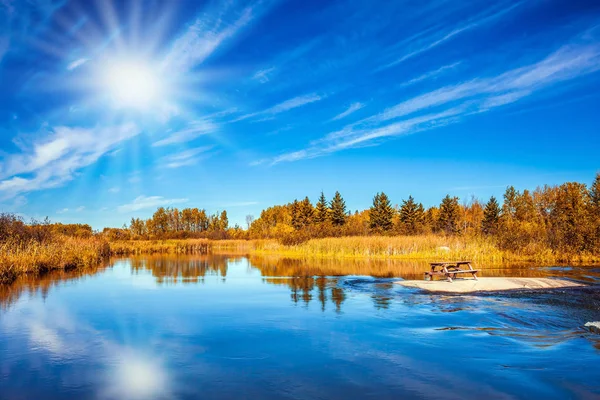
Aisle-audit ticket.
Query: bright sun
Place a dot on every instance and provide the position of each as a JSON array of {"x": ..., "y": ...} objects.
[{"x": 132, "y": 84}]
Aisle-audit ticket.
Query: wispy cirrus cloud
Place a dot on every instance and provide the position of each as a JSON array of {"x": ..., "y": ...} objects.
[
  {"x": 430, "y": 43},
  {"x": 56, "y": 155},
  {"x": 351, "y": 109},
  {"x": 431, "y": 74},
  {"x": 149, "y": 202},
  {"x": 67, "y": 210},
  {"x": 186, "y": 158},
  {"x": 287, "y": 105},
  {"x": 209, "y": 32},
  {"x": 452, "y": 103},
  {"x": 77, "y": 63},
  {"x": 263, "y": 75},
  {"x": 194, "y": 130}
]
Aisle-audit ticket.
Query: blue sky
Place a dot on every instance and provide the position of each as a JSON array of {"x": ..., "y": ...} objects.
[{"x": 111, "y": 109}]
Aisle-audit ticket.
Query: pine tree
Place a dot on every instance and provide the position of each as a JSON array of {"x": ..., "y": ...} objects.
[
  {"x": 491, "y": 217},
  {"x": 411, "y": 216},
  {"x": 305, "y": 213},
  {"x": 295, "y": 211},
  {"x": 449, "y": 215},
  {"x": 595, "y": 196},
  {"x": 223, "y": 221},
  {"x": 338, "y": 210},
  {"x": 381, "y": 213},
  {"x": 321, "y": 210}
]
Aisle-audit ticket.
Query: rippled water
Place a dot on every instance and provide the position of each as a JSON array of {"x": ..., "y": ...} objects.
[{"x": 233, "y": 327}]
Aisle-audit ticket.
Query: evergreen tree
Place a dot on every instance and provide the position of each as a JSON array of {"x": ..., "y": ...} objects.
[
  {"x": 449, "y": 215},
  {"x": 321, "y": 210},
  {"x": 338, "y": 210},
  {"x": 381, "y": 213},
  {"x": 411, "y": 216},
  {"x": 223, "y": 221},
  {"x": 491, "y": 217},
  {"x": 305, "y": 213},
  {"x": 595, "y": 196},
  {"x": 295, "y": 211}
]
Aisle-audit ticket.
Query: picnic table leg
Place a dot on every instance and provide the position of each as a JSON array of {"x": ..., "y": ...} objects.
[
  {"x": 447, "y": 274},
  {"x": 473, "y": 273}
]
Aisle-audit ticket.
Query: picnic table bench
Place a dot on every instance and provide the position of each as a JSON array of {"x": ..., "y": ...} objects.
[{"x": 450, "y": 269}]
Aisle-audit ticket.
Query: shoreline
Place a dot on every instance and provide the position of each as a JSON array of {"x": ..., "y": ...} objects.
[
  {"x": 71, "y": 253},
  {"x": 490, "y": 285}
]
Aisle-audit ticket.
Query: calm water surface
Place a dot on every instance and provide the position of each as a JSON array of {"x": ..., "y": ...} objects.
[{"x": 232, "y": 327}]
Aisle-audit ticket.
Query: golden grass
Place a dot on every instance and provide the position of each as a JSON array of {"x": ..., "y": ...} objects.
[
  {"x": 62, "y": 252},
  {"x": 425, "y": 247},
  {"x": 170, "y": 246},
  {"x": 182, "y": 246},
  {"x": 421, "y": 247},
  {"x": 68, "y": 253}
]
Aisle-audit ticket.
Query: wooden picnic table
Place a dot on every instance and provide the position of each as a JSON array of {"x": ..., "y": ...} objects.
[{"x": 450, "y": 269}]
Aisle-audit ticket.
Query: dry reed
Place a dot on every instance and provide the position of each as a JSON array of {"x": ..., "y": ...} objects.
[{"x": 17, "y": 257}]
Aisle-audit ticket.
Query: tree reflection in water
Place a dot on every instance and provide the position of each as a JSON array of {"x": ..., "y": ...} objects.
[{"x": 307, "y": 280}]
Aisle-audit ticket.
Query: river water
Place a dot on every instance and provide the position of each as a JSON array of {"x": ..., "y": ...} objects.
[{"x": 217, "y": 326}]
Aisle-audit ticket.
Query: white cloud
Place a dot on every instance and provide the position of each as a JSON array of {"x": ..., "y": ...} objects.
[
  {"x": 146, "y": 202},
  {"x": 55, "y": 157},
  {"x": 186, "y": 157},
  {"x": 475, "y": 23},
  {"x": 287, "y": 105},
  {"x": 204, "y": 36},
  {"x": 77, "y": 63},
  {"x": 431, "y": 74},
  {"x": 67, "y": 210},
  {"x": 568, "y": 62},
  {"x": 114, "y": 189},
  {"x": 194, "y": 130},
  {"x": 450, "y": 104},
  {"x": 353, "y": 107},
  {"x": 263, "y": 75}
]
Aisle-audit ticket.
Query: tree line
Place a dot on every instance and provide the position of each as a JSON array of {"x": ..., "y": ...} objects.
[
  {"x": 172, "y": 223},
  {"x": 563, "y": 218}
]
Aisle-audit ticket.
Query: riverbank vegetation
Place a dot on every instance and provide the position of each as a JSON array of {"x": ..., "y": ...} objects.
[
  {"x": 550, "y": 224},
  {"x": 41, "y": 247}
]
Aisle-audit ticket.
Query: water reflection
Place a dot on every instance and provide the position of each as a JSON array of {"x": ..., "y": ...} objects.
[
  {"x": 42, "y": 284},
  {"x": 172, "y": 269},
  {"x": 308, "y": 281},
  {"x": 305, "y": 289},
  {"x": 221, "y": 326}
]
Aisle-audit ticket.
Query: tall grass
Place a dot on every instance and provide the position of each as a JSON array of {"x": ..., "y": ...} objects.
[
  {"x": 18, "y": 256},
  {"x": 420, "y": 247},
  {"x": 170, "y": 246},
  {"x": 183, "y": 246},
  {"x": 425, "y": 247},
  {"x": 62, "y": 252}
]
